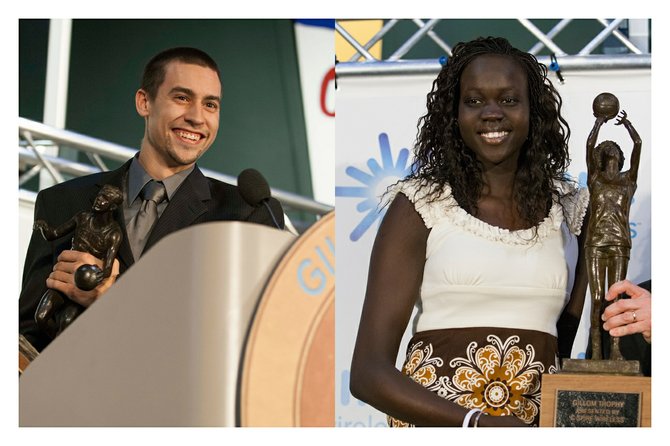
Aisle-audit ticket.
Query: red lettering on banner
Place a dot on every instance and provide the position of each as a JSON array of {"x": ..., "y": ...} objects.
[{"x": 330, "y": 77}]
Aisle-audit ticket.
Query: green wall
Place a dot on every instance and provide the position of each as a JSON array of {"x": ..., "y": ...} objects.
[
  {"x": 262, "y": 124},
  {"x": 33, "y": 40}
]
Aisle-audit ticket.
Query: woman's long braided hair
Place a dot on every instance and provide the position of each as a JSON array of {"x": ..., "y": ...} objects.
[{"x": 441, "y": 156}]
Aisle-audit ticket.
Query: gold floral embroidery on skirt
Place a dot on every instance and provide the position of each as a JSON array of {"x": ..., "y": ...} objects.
[{"x": 498, "y": 378}]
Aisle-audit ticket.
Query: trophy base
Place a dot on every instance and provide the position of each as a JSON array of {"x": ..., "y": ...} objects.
[{"x": 601, "y": 367}]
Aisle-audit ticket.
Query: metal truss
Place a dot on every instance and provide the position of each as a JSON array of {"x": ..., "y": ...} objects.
[
  {"x": 583, "y": 59},
  {"x": 34, "y": 137}
]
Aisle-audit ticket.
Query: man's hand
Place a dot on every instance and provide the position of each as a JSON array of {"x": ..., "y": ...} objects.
[
  {"x": 628, "y": 316},
  {"x": 62, "y": 276}
]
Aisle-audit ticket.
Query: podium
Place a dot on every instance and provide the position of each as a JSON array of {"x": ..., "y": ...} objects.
[{"x": 164, "y": 345}]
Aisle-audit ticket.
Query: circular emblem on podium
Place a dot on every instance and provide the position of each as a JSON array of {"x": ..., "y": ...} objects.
[{"x": 288, "y": 367}]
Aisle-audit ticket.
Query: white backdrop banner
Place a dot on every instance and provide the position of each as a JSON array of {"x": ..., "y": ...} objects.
[
  {"x": 376, "y": 128},
  {"x": 317, "y": 78}
]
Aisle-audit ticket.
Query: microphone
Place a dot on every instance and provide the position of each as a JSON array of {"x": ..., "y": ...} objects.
[{"x": 255, "y": 190}]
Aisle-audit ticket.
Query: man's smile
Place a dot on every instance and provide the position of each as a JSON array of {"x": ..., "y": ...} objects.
[{"x": 187, "y": 136}]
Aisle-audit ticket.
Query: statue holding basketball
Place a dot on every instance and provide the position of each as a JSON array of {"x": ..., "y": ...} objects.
[
  {"x": 96, "y": 232},
  {"x": 608, "y": 238}
]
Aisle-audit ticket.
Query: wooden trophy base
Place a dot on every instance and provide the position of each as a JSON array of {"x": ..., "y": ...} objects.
[{"x": 595, "y": 400}]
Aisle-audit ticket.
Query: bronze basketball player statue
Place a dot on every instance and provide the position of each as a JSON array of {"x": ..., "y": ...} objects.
[
  {"x": 608, "y": 238},
  {"x": 95, "y": 232}
]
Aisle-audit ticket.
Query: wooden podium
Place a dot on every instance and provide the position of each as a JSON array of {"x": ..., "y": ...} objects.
[{"x": 163, "y": 347}]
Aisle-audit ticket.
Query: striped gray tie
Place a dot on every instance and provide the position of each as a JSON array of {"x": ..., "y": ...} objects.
[{"x": 152, "y": 194}]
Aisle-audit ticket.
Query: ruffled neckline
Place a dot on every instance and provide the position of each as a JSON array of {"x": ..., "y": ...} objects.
[{"x": 445, "y": 208}]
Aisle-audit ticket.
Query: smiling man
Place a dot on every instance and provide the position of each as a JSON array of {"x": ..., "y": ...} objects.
[
  {"x": 163, "y": 189},
  {"x": 180, "y": 101}
]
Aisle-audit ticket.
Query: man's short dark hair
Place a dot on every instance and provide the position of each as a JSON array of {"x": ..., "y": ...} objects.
[{"x": 154, "y": 71}]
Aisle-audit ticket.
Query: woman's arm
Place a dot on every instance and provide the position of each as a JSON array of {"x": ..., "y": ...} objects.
[
  {"x": 568, "y": 323},
  {"x": 394, "y": 281}
]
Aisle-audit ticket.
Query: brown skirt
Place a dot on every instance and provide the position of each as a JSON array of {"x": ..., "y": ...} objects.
[{"x": 496, "y": 370}]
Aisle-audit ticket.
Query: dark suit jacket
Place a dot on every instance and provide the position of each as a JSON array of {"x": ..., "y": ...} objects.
[{"x": 198, "y": 200}]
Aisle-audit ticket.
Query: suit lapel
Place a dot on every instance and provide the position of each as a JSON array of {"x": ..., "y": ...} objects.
[
  {"x": 116, "y": 178},
  {"x": 187, "y": 204}
]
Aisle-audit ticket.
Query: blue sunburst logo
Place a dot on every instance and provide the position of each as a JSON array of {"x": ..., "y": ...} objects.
[
  {"x": 374, "y": 184},
  {"x": 581, "y": 179}
]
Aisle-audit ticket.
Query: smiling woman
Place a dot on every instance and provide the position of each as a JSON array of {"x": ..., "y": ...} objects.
[
  {"x": 493, "y": 113},
  {"x": 482, "y": 235}
]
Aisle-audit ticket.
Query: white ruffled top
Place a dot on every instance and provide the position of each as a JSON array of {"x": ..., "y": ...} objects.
[{"x": 479, "y": 275}]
